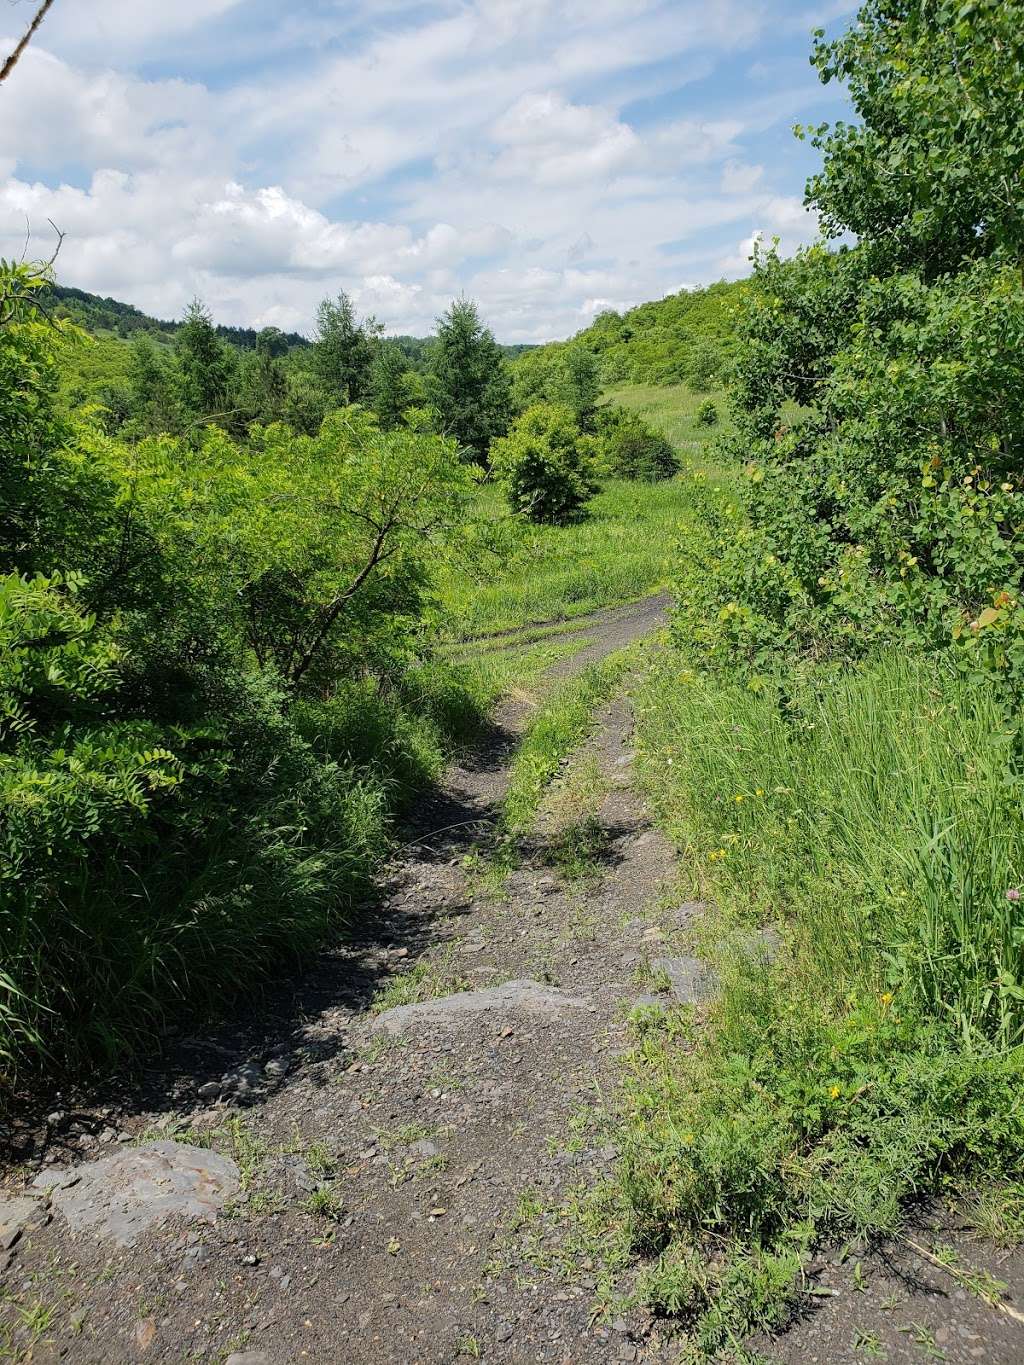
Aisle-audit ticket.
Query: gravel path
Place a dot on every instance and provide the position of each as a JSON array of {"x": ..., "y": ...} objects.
[{"x": 384, "y": 1173}]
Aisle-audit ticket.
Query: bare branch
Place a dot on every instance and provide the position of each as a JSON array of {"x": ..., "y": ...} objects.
[{"x": 12, "y": 60}]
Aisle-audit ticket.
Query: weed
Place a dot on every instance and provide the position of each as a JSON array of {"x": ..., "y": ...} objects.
[
  {"x": 425, "y": 980},
  {"x": 997, "y": 1213},
  {"x": 869, "y": 1343},
  {"x": 325, "y": 1203}
]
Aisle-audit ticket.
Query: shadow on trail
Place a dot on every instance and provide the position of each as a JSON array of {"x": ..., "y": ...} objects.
[{"x": 311, "y": 1011}]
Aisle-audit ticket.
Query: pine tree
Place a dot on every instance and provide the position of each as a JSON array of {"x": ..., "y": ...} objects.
[
  {"x": 389, "y": 391},
  {"x": 205, "y": 367},
  {"x": 342, "y": 352},
  {"x": 469, "y": 380}
]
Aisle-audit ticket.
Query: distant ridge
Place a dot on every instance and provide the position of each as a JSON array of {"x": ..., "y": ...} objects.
[{"x": 99, "y": 314}]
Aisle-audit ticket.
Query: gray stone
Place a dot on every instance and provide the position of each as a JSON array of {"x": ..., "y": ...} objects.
[
  {"x": 424, "y": 1149},
  {"x": 210, "y": 1091},
  {"x": 692, "y": 981},
  {"x": 248, "y": 1358},
  {"x": 276, "y": 1068},
  {"x": 59, "y": 1179},
  {"x": 16, "y": 1215},
  {"x": 122, "y": 1195},
  {"x": 245, "y": 1080},
  {"x": 530, "y": 996}
]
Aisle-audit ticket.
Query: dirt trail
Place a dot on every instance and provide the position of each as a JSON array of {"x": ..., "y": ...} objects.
[
  {"x": 399, "y": 1170},
  {"x": 386, "y": 1171}
]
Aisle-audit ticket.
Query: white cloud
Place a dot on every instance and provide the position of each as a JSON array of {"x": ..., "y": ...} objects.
[{"x": 404, "y": 153}]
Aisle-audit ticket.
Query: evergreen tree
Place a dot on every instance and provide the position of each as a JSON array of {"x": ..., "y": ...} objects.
[
  {"x": 342, "y": 352},
  {"x": 263, "y": 388},
  {"x": 272, "y": 341},
  {"x": 389, "y": 390},
  {"x": 151, "y": 402},
  {"x": 470, "y": 385},
  {"x": 206, "y": 367}
]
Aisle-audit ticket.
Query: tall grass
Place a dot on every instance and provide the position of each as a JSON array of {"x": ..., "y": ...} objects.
[
  {"x": 513, "y": 574},
  {"x": 872, "y": 811},
  {"x": 872, "y": 818}
]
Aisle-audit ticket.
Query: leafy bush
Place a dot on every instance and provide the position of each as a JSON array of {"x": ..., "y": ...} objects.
[
  {"x": 546, "y": 465},
  {"x": 704, "y": 367},
  {"x": 210, "y": 696},
  {"x": 632, "y": 449},
  {"x": 707, "y": 413}
]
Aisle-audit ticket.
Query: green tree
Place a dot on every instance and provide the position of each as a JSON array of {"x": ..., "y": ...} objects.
[
  {"x": 389, "y": 387},
  {"x": 580, "y": 385},
  {"x": 205, "y": 368},
  {"x": 704, "y": 366},
  {"x": 150, "y": 385},
  {"x": 932, "y": 173},
  {"x": 263, "y": 387},
  {"x": 469, "y": 379},
  {"x": 547, "y": 465},
  {"x": 272, "y": 341},
  {"x": 342, "y": 351}
]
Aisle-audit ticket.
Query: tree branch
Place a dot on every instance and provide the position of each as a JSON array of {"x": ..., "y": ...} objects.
[
  {"x": 336, "y": 606},
  {"x": 12, "y": 60}
]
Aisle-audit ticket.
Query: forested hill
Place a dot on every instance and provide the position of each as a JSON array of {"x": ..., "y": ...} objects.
[
  {"x": 685, "y": 336},
  {"x": 100, "y": 315}
]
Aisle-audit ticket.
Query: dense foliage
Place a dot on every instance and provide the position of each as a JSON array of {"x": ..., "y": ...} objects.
[
  {"x": 211, "y": 684},
  {"x": 890, "y": 510},
  {"x": 546, "y": 465},
  {"x": 686, "y": 337},
  {"x": 633, "y": 449}
]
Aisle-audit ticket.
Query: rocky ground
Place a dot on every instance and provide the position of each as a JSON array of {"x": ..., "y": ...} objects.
[{"x": 367, "y": 1170}]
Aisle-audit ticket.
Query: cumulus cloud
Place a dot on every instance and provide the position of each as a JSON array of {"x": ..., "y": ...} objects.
[{"x": 539, "y": 155}]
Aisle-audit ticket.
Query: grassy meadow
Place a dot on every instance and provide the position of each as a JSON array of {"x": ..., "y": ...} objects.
[{"x": 511, "y": 574}]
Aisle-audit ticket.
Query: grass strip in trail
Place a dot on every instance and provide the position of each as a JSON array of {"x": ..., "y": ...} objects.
[
  {"x": 879, "y": 1057},
  {"x": 561, "y": 724}
]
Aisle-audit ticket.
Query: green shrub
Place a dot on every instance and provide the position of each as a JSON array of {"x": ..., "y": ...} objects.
[
  {"x": 632, "y": 449},
  {"x": 707, "y": 413},
  {"x": 546, "y": 465},
  {"x": 704, "y": 367},
  {"x": 210, "y": 699}
]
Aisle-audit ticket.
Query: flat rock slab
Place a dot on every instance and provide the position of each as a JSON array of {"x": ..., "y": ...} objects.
[
  {"x": 122, "y": 1195},
  {"x": 16, "y": 1215},
  {"x": 692, "y": 981},
  {"x": 449, "y": 1009}
]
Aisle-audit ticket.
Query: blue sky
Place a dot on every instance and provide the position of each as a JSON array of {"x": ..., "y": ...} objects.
[{"x": 549, "y": 158}]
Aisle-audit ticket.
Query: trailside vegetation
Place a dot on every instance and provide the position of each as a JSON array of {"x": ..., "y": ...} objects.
[
  {"x": 213, "y": 683},
  {"x": 836, "y": 742}
]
